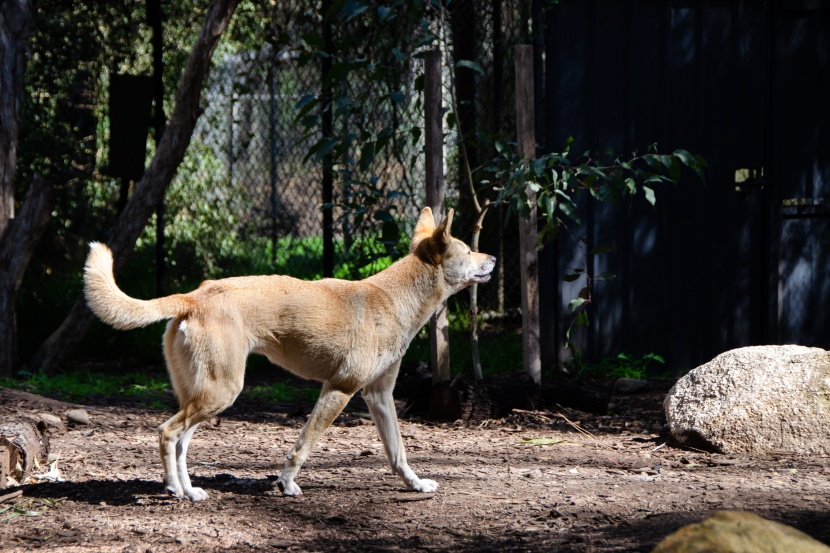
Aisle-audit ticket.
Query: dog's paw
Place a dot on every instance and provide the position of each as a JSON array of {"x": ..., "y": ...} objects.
[
  {"x": 424, "y": 485},
  {"x": 196, "y": 494},
  {"x": 289, "y": 488}
]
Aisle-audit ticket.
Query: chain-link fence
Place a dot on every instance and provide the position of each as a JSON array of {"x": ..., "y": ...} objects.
[{"x": 248, "y": 177}]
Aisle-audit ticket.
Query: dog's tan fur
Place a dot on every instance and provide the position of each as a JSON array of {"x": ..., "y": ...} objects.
[{"x": 349, "y": 335}]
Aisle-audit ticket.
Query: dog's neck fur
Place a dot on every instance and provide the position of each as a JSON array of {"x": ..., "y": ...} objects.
[{"x": 415, "y": 304}]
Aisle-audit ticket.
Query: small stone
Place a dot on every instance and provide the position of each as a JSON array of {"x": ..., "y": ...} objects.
[
  {"x": 51, "y": 420},
  {"x": 77, "y": 416}
]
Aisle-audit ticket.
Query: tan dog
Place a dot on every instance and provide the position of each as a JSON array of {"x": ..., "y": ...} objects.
[{"x": 348, "y": 335}]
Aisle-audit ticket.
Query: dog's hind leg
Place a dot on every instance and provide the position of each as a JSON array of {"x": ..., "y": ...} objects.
[
  {"x": 169, "y": 434},
  {"x": 194, "y": 494},
  {"x": 331, "y": 403},
  {"x": 207, "y": 381},
  {"x": 378, "y": 396}
]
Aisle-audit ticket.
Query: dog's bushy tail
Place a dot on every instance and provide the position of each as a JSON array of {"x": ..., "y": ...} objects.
[{"x": 116, "y": 308}]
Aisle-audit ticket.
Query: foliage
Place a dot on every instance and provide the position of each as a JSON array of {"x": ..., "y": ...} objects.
[
  {"x": 623, "y": 365},
  {"x": 370, "y": 54},
  {"x": 501, "y": 352},
  {"x": 556, "y": 185}
]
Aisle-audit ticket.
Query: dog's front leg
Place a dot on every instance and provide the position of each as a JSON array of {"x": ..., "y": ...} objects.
[
  {"x": 378, "y": 396},
  {"x": 328, "y": 406}
]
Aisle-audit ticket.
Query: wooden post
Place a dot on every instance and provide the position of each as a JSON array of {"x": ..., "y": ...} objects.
[
  {"x": 326, "y": 127},
  {"x": 439, "y": 335},
  {"x": 529, "y": 261}
]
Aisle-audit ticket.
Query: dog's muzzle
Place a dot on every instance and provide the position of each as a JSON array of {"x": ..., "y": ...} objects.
[{"x": 486, "y": 270}]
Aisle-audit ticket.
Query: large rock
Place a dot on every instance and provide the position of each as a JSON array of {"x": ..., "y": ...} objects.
[
  {"x": 730, "y": 532},
  {"x": 755, "y": 400}
]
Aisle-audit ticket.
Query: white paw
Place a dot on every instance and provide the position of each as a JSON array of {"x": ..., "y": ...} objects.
[
  {"x": 196, "y": 494},
  {"x": 289, "y": 488},
  {"x": 424, "y": 485}
]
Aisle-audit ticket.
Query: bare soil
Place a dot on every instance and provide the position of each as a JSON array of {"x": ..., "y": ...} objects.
[{"x": 600, "y": 483}]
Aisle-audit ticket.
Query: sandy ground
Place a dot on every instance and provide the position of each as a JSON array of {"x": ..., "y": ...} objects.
[{"x": 594, "y": 483}]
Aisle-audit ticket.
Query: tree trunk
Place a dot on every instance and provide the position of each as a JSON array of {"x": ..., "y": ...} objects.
[
  {"x": 15, "y": 16},
  {"x": 150, "y": 189},
  {"x": 16, "y": 249}
]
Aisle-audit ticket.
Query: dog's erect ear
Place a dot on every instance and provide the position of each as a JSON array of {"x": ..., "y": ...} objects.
[
  {"x": 423, "y": 229},
  {"x": 426, "y": 221},
  {"x": 430, "y": 243},
  {"x": 442, "y": 233}
]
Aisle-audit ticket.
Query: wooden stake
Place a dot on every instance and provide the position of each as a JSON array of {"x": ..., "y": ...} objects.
[
  {"x": 439, "y": 333},
  {"x": 529, "y": 261}
]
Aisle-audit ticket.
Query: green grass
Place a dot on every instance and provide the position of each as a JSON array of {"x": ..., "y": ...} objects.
[
  {"x": 152, "y": 390},
  {"x": 82, "y": 384}
]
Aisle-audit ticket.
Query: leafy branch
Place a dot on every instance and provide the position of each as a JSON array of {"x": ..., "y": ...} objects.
[{"x": 558, "y": 183}]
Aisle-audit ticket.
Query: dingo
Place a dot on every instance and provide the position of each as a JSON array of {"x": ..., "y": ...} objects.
[{"x": 348, "y": 335}]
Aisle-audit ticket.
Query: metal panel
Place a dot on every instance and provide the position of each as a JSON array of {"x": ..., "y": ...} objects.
[{"x": 741, "y": 83}]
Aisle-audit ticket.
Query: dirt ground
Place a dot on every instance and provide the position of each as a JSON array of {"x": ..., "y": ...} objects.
[{"x": 598, "y": 483}]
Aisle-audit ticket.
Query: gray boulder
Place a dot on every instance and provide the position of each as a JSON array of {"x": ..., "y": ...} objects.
[{"x": 755, "y": 400}]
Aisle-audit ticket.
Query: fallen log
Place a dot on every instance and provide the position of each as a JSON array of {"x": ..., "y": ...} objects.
[{"x": 23, "y": 446}]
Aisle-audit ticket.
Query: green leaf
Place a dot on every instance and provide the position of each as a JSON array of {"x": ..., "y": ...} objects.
[
  {"x": 501, "y": 146},
  {"x": 575, "y": 304},
  {"x": 397, "y": 97},
  {"x": 685, "y": 157},
  {"x": 591, "y": 171},
  {"x": 538, "y": 166},
  {"x": 305, "y": 100},
  {"x": 649, "y": 195},
  {"x": 351, "y": 9},
  {"x": 580, "y": 321},
  {"x": 571, "y": 277},
  {"x": 605, "y": 276},
  {"x": 569, "y": 209},
  {"x": 674, "y": 170},
  {"x": 549, "y": 206},
  {"x": 470, "y": 65}
]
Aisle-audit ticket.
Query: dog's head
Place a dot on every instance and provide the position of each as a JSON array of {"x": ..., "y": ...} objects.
[{"x": 435, "y": 246}]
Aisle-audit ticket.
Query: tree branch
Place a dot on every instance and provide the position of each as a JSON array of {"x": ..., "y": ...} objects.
[{"x": 152, "y": 186}]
